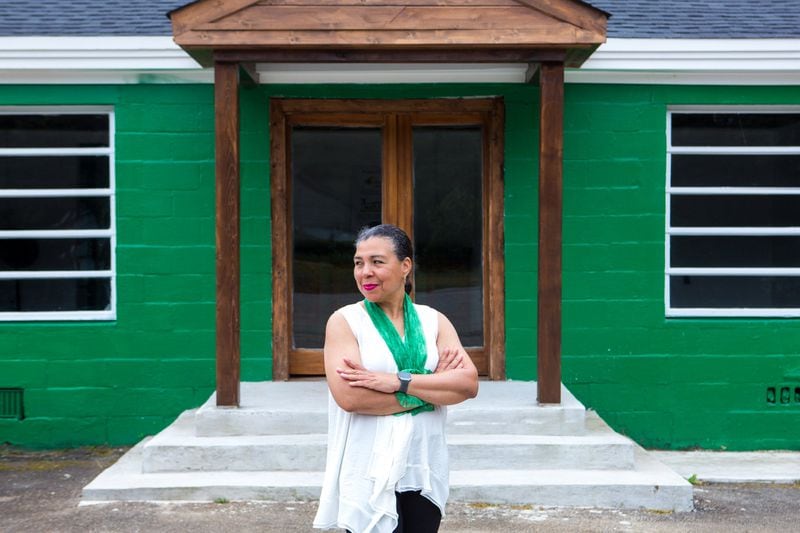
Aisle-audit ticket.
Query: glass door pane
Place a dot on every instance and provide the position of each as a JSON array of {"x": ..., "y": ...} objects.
[
  {"x": 336, "y": 190},
  {"x": 448, "y": 225}
]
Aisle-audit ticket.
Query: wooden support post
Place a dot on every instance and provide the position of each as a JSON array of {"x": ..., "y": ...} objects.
[
  {"x": 226, "y": 104},
  {"x": 551, "y": 149}
]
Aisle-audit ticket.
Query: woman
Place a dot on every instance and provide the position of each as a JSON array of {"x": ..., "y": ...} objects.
[{"x": 385, "y": 356}]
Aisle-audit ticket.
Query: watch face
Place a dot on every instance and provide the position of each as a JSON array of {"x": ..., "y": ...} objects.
[{"x": 404, "y": 376}]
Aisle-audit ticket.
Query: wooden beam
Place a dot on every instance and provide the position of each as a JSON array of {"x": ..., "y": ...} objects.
[
  {"x": 405, "y": 171},
  {"x": 495, "y": 242},
  {"x": 251, "y": 77},
  {"x": 578, "y": 14},
  {"x": 193, "y": 14},
  {"x": 281, "y": 242},
  {"x": 551, "y": 148},
  {"x": 562, "y": 36},
  {"x": 532, "y": 73},
  {"x": 226, "y": 105}
]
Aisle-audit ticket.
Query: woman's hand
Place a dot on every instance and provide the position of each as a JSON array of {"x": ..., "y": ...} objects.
[
  {"x": 450, "y": 358},
  {"x": 358, "y": 376}
]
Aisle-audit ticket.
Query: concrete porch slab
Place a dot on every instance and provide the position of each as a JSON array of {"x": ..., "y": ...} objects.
[{"x": 504, "y": 447}]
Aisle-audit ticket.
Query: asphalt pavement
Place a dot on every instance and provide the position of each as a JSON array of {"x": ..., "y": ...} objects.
[{"x": 40, "y": 492}]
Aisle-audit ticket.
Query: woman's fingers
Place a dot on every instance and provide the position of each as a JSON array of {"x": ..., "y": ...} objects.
[
  {"x": 445, "y": 358},
  {"x": 450, "y": 358},
  {"x": 361, "y": 377},
  {"x": 457, "y": 362},
  {"x": 353, "y": 374},
  {"x": 352, "y": 364}
]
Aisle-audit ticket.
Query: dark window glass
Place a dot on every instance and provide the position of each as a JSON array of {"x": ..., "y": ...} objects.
[
  {"x": 55, "y": 254},
  {"x": 736, "y": 129},
  {"x": 56, "y": 172},
  {"x": 336, "y": 190},
  {"x": 701, "y": 170},
  {"x": 721, "y": 292},
  {"x": 735, "y": 211},
  {"x": 761, "y": 251},
  {"x": 54, "y": 213},
  {"x": 31, "y": 295},
  {"x": 448, "y": 225},
  {"x": 53, "y": 131}
]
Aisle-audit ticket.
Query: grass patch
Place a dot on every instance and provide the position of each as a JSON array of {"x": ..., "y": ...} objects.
[
  {"x": 693, "y": 480},
  {"x": 481, "y": 505},
  {"x": 14, "y": 459},
  {"x": 38, "y": 466},
  {"x": 522, "y": 507}
]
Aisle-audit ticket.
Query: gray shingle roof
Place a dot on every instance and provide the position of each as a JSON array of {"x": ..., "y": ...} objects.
[
  {"x": 86, "y": 17},
  {"x": 679, "y": 19},
  {"x": 702, "y": 19}
]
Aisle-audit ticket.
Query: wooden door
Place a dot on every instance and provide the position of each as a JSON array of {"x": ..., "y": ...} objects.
[{"x": 433, "y": 168}]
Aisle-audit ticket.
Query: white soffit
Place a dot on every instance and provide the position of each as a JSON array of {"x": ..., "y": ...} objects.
[
  {"x": 67, "y": 60},
  {"x": 292, "y": 73}
]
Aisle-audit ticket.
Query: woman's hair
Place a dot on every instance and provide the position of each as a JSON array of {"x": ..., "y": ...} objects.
[{"x": 400, "y": 243}]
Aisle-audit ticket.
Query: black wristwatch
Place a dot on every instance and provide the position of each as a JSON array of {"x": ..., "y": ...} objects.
[{"x": 405, "y": 379}]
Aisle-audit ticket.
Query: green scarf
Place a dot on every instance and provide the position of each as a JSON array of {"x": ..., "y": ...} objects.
[{"x": 410, "y": 355}]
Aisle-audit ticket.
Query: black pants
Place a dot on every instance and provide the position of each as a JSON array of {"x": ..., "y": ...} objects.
[{"x": 416, "y": 514}]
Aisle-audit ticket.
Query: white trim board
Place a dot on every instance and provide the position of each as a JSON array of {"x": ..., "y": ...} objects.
[
  {"x": 93, "y": 53},
  {"x": 133, "y": 60},
  {"x": 705, "y": 61}
]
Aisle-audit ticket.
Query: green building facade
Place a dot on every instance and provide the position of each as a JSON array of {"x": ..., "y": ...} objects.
[{"x": 671, "y": 382}]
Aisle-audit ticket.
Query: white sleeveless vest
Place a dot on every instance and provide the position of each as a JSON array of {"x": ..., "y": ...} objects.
[{"x": 372, "y": 457}]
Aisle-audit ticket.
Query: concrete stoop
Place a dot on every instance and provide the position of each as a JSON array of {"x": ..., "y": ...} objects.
[{"x": 504, "y": 448}]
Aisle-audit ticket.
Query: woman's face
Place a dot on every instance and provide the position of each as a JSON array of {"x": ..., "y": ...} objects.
[{"x": 379, "y": 274}]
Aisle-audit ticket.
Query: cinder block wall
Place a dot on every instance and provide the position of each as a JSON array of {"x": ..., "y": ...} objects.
[
  {"x": 116, "y": 381},
  {"x": 668, "y": 383}
]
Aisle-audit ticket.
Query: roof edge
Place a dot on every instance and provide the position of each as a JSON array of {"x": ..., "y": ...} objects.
[{"x": 54, "y": 60}]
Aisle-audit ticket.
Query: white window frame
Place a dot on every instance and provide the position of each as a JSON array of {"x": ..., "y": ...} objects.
[
  {"x": 737, "y": 231},
  {"x": 110, "y": 233}
]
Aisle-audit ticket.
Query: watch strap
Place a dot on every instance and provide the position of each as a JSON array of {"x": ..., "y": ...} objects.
[{"x": 405, "y": 379}]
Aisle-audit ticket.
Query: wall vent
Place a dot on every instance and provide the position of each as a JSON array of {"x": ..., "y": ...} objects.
[
  {"x": 783, "y": 395},
  {"x": 11, "y": 405}
]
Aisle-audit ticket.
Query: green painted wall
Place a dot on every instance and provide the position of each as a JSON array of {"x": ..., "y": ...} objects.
[
  {"x": 117, "y": 381},
  {"x": 668, "y": 383},
  {"x": 673, "y": 383}
]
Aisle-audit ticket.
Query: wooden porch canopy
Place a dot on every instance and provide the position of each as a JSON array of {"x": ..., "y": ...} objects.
[{"x": 234, "y": 36}]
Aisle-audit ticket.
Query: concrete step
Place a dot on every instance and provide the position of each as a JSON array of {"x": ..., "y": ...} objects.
[
  {"x": 296, "y": 408},
  {"x": 125, "y": 481},
  {"x": 177, "y": 449},
  {"x": 510, "y": 407},
  {"x": 650, "y": 485},
  {"x": 268, "y": 408},
  {"x": 526, "y": 452}
]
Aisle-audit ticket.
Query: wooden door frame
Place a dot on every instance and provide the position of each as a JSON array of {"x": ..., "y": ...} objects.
[{"x": 489, "y": 112}]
